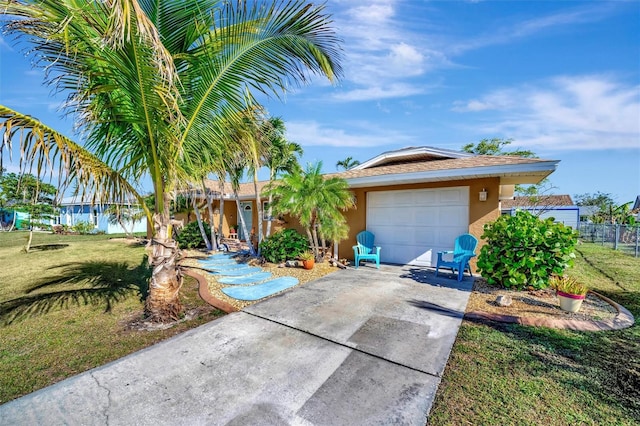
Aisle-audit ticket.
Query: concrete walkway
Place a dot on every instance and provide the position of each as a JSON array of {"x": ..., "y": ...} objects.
[{"x": 357, "y": 347}]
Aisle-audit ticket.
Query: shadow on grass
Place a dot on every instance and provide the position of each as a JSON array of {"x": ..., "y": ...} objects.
[
  {"x": 44, "y": 247},
  {"x": 98, "y": 283}
]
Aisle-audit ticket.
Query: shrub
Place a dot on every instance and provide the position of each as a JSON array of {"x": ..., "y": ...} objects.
[
  {"x": 283, "y": 245},
  {"x": 83, "y": 228},
  {"x": 525, "y": 251},
  {"x": 191, "y": 237}
]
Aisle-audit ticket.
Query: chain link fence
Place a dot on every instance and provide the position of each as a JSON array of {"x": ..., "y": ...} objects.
[{"x": 619, "y": 237}]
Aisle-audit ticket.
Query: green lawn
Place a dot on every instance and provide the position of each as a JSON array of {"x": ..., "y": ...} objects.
[
  {"x": 64, "y": 307},
  {"x": 500, "y": 374}
]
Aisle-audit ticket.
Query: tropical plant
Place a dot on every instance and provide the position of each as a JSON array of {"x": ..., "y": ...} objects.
[
  {"x": 284, "y": 245},
  {"x": 149, "y": 83},
  {"x": 313, "y": 199},
  {"x": 525, "y": 251},
  {"x": 347, "y": 163},
  {"x": 190, "y": 236},
  {"x": 282, "y": 157},
  {"x": 306, "y": 255},
  {"x": 568, "y": 285},
  {"x": 123, "y": 216},
  {"x": 83, "y": 227}
]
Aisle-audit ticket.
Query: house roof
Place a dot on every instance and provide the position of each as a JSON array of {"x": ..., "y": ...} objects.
[
  {"x": 427, "y": 164},
  {"x": 511, "y": 170},
  {"x": 411, "y": 155},
  {"x": 543, "y": 200}
]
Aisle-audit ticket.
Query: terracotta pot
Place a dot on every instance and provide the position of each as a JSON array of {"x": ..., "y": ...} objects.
[
  {"x": 570, "y": 302},
  {"x": 308, "y": 264}
]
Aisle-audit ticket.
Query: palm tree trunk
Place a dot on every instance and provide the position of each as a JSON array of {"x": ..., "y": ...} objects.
[
  {"x": 259, "y": 209},
  {"x": 163, "y": 302},
  {"x": 270, "y": 215},
  {"x": 200, "y": 224},
  {"x": 221, "y": 220},
  {"x": 212, "y": 227}
]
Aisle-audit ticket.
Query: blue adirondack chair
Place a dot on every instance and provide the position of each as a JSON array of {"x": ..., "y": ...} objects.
[
  {"x": 365, "y": 249},
  {"x": 463, "y": 251}
]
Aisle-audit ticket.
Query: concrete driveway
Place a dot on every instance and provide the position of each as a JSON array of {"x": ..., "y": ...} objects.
[{"x": 361, "y": 346}]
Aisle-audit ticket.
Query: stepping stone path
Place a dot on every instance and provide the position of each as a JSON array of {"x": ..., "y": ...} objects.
[
  {"x": 250, "y": 282},
  {"x": 259, "y": 291}
]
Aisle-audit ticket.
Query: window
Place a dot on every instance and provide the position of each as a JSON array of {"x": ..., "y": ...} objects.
[{"x": 95, "y": 217}]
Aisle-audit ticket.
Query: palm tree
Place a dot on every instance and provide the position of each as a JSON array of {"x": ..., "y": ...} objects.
[
  {"x": 314, "y": 200},
  {"x": 347, "y": 163},
  {"x": 281, "y": 158},
  {"x": 148, "y": 83}
]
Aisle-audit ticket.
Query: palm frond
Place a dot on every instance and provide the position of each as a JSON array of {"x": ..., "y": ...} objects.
[{"x": 49, "y": 150}]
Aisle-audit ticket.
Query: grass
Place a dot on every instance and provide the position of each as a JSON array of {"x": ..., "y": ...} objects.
[
  {"x": 65, "y": 306},
  {"x": 501, "y": 374}
]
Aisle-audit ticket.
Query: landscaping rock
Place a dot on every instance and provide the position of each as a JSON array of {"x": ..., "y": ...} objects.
[
  {"x": 292, "y": 264},
  {"x": 503, "y": 300}
]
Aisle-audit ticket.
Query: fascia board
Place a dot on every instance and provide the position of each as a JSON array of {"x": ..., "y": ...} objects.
[{"x": 453, "y": 174}]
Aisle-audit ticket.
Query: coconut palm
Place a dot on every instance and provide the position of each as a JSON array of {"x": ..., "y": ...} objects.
[
  {"x": 347, "y": 163},
  {"x": 147, "y": 83},
  {"x": 312, "y": 198}
]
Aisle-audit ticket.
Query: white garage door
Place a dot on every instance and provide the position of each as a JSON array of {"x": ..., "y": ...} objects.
[{"x": 412, "y": 226}]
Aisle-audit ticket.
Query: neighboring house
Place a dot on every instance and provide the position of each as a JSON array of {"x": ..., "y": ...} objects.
[
  {"x": 73, "y": 211},
  {"x": 558, "y": 207},
  {"x": 416, "y": 200},
  {"x": 636, "y": 207}
]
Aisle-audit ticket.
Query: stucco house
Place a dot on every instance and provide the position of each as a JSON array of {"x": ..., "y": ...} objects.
[
  {"x": 415, "y": 200},
  {"x": 559, "y": 207},
  {"x": 73, "y": 210}
]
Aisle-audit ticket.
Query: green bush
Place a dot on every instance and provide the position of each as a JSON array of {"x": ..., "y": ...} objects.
[
  {"x": 525, "y": 251},
  {"x": 191, "y": 237},
  {"x": 83, "y": 228},
  {"x": 283, "y": 245}
]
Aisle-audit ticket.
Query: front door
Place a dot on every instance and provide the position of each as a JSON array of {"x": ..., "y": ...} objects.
[{"x": 247, "y": 215}]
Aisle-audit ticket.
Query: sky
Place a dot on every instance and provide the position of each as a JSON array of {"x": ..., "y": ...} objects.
[{"x": 560, "y": 78}]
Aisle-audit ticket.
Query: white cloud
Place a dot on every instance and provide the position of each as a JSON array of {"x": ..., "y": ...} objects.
[
  {"x": 530, "y": 27},
  {"x": 579, "y": 112},
  {"x": 383, "y": 51},
  {"x": 397, "y": 90},
  {"x": 364, "y": 134}
]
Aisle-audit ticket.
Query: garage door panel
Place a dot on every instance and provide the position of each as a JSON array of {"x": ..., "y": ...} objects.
[
  {"x": 411, "y": 226},
  {"x": 451, "y": 216},
  {"x": 455, "y": 196}
]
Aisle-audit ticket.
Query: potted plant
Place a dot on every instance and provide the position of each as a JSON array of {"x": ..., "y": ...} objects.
[
  {"x": 570, "y": 292},
  {"x": 307, "y": 260}
]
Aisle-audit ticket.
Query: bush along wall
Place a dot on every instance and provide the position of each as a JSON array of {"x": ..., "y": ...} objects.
[
  {"x": 284, "y": 245},
  {"x": 525, "y": 251}
]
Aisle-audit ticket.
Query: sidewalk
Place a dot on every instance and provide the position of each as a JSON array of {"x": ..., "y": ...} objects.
[{"x": 361, "y": 346}]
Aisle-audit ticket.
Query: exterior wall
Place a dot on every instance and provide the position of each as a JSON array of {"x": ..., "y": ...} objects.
[
  {"x": 480, "y": 212},
  {"x": 74, "y": 214},
  {"x": 569, "y": 216}
]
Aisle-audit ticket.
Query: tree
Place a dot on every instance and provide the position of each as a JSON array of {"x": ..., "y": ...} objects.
[
  {"x": 28, "y": 194},
  {"x": 496, "y": 146},
  {"x": 148, "y": 84},
  {"x": 347, "y": 163},
  {"x": 123, "y": 215},
  {"x": 605, "y": 204},
  {"x": 314, "y": 200},
  {"x": 282, "y": 157}
]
